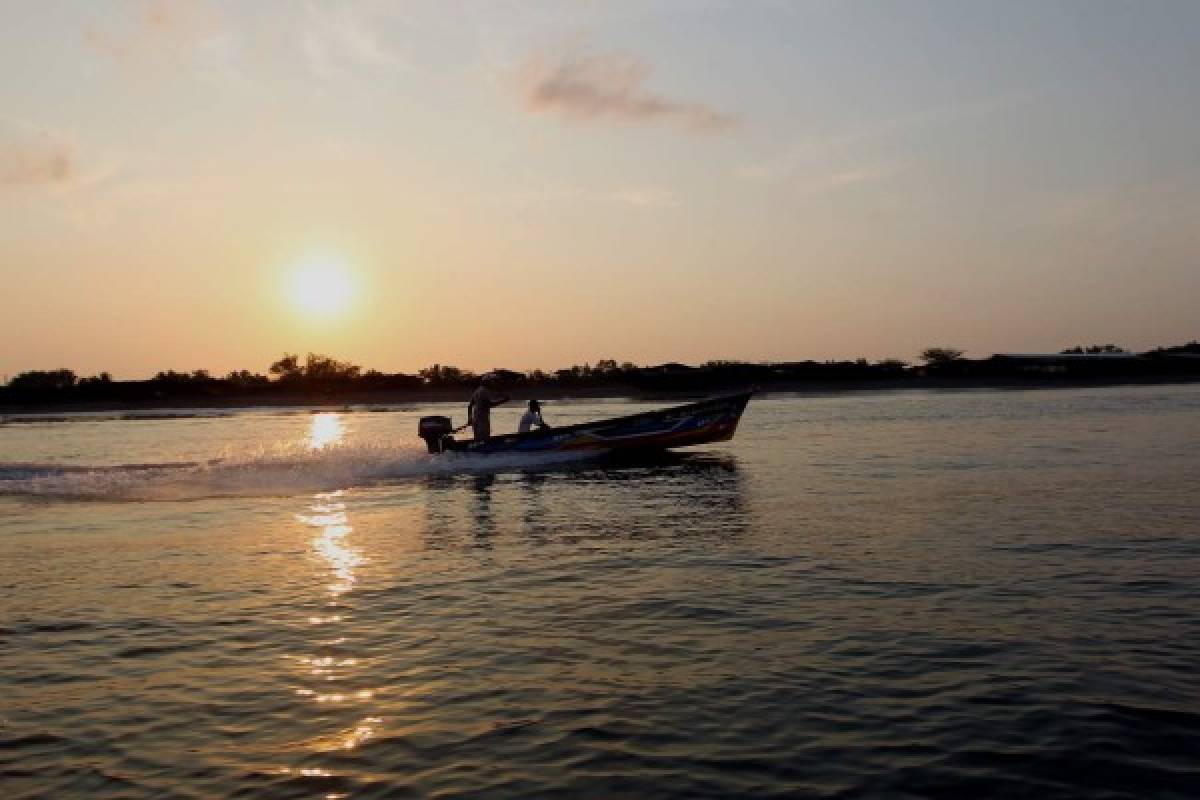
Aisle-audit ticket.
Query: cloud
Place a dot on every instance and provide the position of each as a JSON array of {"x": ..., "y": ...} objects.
[
  {"x": 647, "y": 197},
  {"x": 36, "y": 158},
  {"x": 816, "y": 159},
  {"x": 815, "y": 168},
  {"x": 816, "y": 152},
  {"x": 338, "y": 36},
  {"x": 159, "y": 28},
  {"x": 610, "y": 86},
  {"x": 215, "y": 59},
  {"x": 821, "y": 183}
]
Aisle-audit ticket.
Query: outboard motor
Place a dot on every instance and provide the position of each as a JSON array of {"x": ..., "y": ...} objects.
[{"x": 434, "y": 430}]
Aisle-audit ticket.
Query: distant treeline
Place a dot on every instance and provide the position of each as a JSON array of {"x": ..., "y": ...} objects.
[{"x": 321, "y": 378}]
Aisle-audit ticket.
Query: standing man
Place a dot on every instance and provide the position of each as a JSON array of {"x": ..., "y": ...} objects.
[{"x": 479, "y": 410}]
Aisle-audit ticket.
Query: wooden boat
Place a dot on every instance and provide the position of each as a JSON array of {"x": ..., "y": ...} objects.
[{"x": 712, "y": 420}]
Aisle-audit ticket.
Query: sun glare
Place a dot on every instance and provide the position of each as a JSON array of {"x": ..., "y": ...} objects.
[{"x": 321, "y": 287}]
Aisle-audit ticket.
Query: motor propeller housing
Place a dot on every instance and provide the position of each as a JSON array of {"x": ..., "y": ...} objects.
[{"x": 434, "y": 430}]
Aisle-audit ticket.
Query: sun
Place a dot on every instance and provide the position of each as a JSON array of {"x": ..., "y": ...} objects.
[{"x": 321, "y": 286}]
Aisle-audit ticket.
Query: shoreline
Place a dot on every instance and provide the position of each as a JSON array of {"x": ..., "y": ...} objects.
[{"x": 395, "y": 397}]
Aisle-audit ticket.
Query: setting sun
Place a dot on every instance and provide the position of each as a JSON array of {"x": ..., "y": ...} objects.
[{"x": 321, "y": 287}]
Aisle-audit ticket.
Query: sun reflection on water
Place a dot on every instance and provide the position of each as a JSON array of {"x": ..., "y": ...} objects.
[
  {"x": 326, "y": 429},
  {"x": 329, "y": 676}
]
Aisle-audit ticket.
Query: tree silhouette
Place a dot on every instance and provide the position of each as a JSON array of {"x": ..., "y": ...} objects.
[
  {"x": 324, "y": 376},
  {"x": 323, "y": 368},
  {"x": 440, "y": 375},
  {"x": 53, "y": 380},
  {"x": 245, "y": 379},
  {"x": 316, "y": 368},
  {"x": 936, "y": 357},
  {"x": 287, "y": 367},
  {"x": 170, "y": 376}
]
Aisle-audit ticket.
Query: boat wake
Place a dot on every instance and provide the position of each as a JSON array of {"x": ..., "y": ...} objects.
[{"x": 256, "y": 474}]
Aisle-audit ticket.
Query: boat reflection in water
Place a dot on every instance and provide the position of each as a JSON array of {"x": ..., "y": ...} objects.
[{"x": 612, "y": 497}]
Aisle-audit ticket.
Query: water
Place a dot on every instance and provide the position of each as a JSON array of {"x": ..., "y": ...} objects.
[{"x": 912, "y": 594}]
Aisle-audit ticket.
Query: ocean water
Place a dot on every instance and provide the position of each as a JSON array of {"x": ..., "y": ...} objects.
[{"x": 894, "y": 594}]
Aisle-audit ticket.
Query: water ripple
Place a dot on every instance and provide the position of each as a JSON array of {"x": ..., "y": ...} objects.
[{"x": 738, "y": 624}]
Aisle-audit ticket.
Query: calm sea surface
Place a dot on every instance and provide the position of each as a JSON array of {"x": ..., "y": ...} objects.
[{"x": 910, "y": 594}]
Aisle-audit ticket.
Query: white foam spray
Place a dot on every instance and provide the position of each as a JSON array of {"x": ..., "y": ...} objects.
[{"x": 265, "y": 473}]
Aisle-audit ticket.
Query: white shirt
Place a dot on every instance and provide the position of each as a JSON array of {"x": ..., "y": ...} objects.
[{"x": 529, "y": 421}]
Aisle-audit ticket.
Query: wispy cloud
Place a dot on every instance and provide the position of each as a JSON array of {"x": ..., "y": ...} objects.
[
  {"x": 816, "y": 184},
  {"x": 186, "y": 35},
  {"x": 610, "y": 86},
  {"x": 815, "y": 152},
  {"x": 647, "y": 197},
  {"x": 216, "y": 58},
  {"x": 1166, "y": 203},
  {"x": 156, "y": 28},
  {"x": 814, "y": 156},
  {"x": 814, "y": 169},
  {"x": 35, "y": 158},
  {"x": 539, "y": 193},
  {"x": 334, "y": 38}
]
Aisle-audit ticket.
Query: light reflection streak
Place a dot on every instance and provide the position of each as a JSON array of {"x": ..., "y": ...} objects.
[
  {"x": 307, "y": 772},
  {"x": 361, "y": 732},
  {"x": 330, "y": 517},
  {"x": 327, "y": 676}
]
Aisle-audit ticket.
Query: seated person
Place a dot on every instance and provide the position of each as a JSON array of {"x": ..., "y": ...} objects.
[{"x": 532, "y": 418}]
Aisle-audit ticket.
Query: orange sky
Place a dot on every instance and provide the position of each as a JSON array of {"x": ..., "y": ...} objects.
[{"x": 535, "y": 185}]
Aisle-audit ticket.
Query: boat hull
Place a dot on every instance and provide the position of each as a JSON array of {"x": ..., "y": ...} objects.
[{"x": 712, "y": 420}]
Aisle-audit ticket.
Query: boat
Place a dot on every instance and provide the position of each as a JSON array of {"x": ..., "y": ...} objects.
[{"x": 711, "y": 420}]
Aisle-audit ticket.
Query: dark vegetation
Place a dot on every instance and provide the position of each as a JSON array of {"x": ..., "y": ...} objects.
[{"x": 318, "y": 378}]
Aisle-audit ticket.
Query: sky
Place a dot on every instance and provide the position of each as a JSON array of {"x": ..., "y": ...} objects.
[{"x": 195, "y": 184}]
